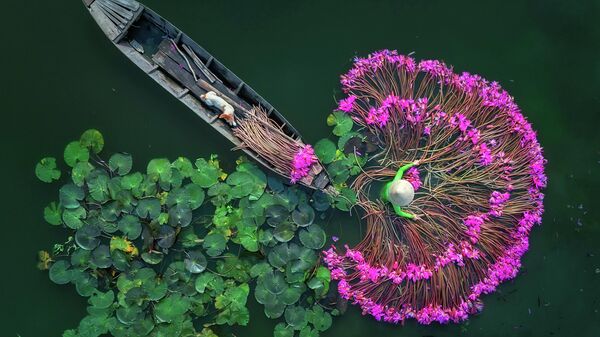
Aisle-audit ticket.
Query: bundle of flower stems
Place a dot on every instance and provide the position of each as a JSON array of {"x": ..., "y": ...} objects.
[
  {"x": 477, "y": 190},
  {"x": 288, "y": 156}
]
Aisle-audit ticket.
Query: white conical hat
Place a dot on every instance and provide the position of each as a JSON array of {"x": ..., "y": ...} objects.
[{"x": 401, "y": 193}]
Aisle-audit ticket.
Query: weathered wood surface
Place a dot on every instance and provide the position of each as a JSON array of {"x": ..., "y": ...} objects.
[{"x": 169, "y": 68}]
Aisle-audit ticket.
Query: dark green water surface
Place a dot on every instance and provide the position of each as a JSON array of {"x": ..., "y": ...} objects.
[{"x": 62, "y": 76}]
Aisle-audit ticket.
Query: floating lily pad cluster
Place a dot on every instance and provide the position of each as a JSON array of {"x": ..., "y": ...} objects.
[
  {"x": 346, "y": 157},
  {"x": 179, "y": 248}
]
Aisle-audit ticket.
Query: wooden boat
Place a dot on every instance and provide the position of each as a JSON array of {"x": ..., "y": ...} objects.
[{"x": 187, "y": 70}]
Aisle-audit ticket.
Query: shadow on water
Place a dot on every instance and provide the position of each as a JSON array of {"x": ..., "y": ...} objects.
[{"x": 62, "y": 76}]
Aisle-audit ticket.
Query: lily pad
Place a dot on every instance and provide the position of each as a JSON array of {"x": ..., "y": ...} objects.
[
  {"x": 53, "y": 214},
  {"x": 263, "y": 296},
  {"x": 70, "y": 195},
  {"x": 46, "y": 170},
  {"x": 98, "y": 188},
  {"x": 193, "y": 195},
  {"x": 130, "y": 226},
  {"x": 148, "y": 208},
  {"x": 281, "y": 254},
  {"x": 274, "y": 282},
  {"x": 295, "y": 316},
  {"x": 307, "y": 331},
  {"x": 81, "y": 258},
  {"x": 320, "y": 201},
  {"x": 60, "y": 273},
  {"x": 101, "y": 257},
  {"x": 184, "y": 166},
  {"x": 73, "y": 218},
  {"x": 276, "y": 214},
  {"x": 293, "y": 293},
  {"x": 215, "y": 244},
  {"x": 93, "y": 140},
  {"x": 274, "y": 310},
  {"x": 128, "y": 315},
  {"x": 87, "y": 237},
  {"x": 283, "y": 330},
  {"x": 132, "y": 181},
  {"x": 343, "y": 123},
  {"x": 206, "y": 174},
  {"x": 102, "y": 300},
  {"x": 120, "y": 163},
  {"x": 171, "y": 308},
  {"x": 75, "y": 152},
  {"x": 85, "y": 284},
  {"x": 313, "y": 237},
  {"x": 248, "y": 238},
  {"x": 195, "y": 262},
  {"x": 319, "y": 318},
  {"x": 259, "y": 179},
  {"x": 152, "y": 257},
  {"x": 284, "y": 232},
  {"x": 80, "y": 172},
  {"x": 325, "y": 150},
  {"x": 159, "y": 168},
  {"x": 166, "y": 236},
  {"x": 304, "y": 215},
  {"x": 180, "y": 215}
]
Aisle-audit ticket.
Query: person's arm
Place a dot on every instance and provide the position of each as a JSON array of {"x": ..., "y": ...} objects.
[
  {"x": 402, "y": 213},
  {"x": 403, "y": 169}
]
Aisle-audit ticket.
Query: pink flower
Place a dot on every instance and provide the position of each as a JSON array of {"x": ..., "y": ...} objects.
[
  {"x": 347, "y": 104},
  {"x": 412, "y": 176},
  {"x": 302, "y": 162}
]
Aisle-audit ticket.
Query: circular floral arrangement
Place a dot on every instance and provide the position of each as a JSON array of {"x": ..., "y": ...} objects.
[{"x": 478, "y": 178}]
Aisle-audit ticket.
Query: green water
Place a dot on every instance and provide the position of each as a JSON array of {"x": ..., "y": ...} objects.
[{"x": 61, "y": 76}]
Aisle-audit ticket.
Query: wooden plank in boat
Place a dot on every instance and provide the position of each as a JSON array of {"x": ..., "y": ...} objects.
[
  {"x": 109, "y": 28},
  {"x": 241, "y": 105}
]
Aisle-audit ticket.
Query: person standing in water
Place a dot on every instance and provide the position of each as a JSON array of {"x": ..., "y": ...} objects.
[{"x": 400, "y": 192}]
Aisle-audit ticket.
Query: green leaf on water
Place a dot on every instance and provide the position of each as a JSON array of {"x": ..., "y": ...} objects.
[
  {"x": 304, "y": 215},
  {"x": 102, "y": 300},
  {"x": 53, "y": 214},
  {"x": 325, "y": 150},
  {"x": 87, "y": 237},
  {"x": 180, "y": 215},
  {"x": 206, "y": 175},
  {"x": 46, "y": 170},
  {"x": 93, "y": 140},
  {"x": 313, "y": 237},
  {"x": 343, "y": 123},
  {"x": 295, "y": 316},
  {"x": 70, "y": 195},
  {"x": 73, "y": 218},
  {"x": 319, "y": 318},
  {"x": 80, "y": 172},
  {"x": 215, "y": 244},
  {"x": 130, "y": 226},
  {"x": 60, "y": 273},
  {"x": 120, "y": 163},
  {"x": 148, "y": 208},
  {"x": 274, "y": 282},
  {"x": 75, "y": 152},
  {"x": 283, "y": 330},
  {"x": 184, "y": 166},
  {"x": 284, "y": 232},
  {"x": 195, "y": 262},
  {"x": 132, "y": 181},
  {"x": 171, "y": 308},
  {"x": 307, "y": 331},
  {"x": 159, "y": 168}
]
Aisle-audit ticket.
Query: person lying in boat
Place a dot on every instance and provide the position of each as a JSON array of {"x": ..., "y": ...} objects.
[{"x": 211, "y": 98}]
